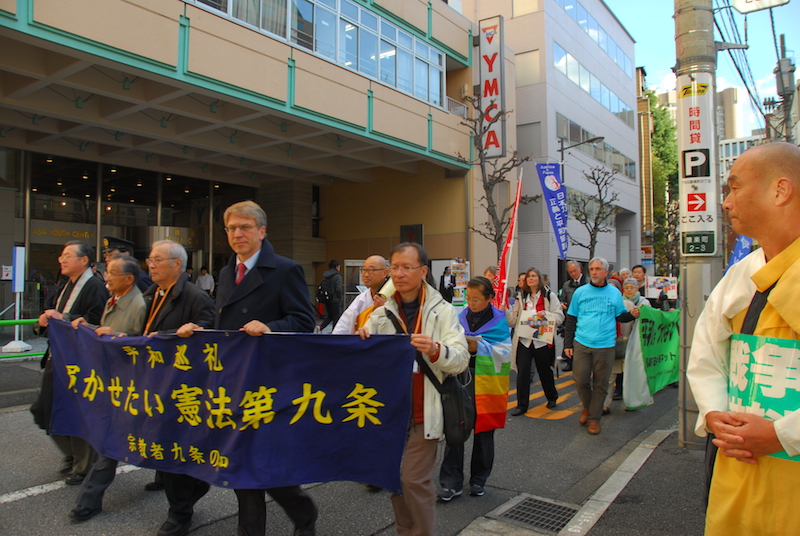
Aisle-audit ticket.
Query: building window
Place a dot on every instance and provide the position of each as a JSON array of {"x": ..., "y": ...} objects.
[
  {"x": 572, "y": 133},
  {"x": 523, "y": 7},
  {"x": 527, "y": 68}
]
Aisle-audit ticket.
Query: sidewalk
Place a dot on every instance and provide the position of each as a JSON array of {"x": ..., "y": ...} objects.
[{"x": 20, "y": 377}]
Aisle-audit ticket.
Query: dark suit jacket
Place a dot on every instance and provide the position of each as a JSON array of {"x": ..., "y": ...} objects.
[
  {"x": 274, "y": 292},
  {"x": 185, "y": 303}
]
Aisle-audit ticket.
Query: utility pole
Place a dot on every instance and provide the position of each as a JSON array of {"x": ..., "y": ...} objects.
[
  {"x": 699, "y": 192},
  {"x": 784, "y": 79}
]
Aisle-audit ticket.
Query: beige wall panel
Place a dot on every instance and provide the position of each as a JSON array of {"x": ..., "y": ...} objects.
[
  {"x": 414, "y": 12},
  {"x": 451, "y": 28},
  {"x": 445, "y": 246},
  {"x": 400, "y": 116},
  {"x": 329, "y": 89},
  {"x": 449, "y": 135},
  {"x": 118, "y": 23},
  {"x": 9, "y": 5},
  {"x": 215, "y": 42}
]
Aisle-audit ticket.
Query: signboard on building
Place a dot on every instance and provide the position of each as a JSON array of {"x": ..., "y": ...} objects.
[
  {"x": 492, "y": 84},
  {"x": 647, "y": 253},
  {"x": 696, "y": 145}
]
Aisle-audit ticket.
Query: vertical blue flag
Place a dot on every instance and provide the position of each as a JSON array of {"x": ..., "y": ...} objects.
[
  {"x": 740, "y": 250},
  {"x": 555, "y": 196}
]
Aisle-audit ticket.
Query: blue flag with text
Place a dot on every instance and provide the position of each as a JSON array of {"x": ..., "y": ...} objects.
[
  {"x": 238, "y": 411},
  {"x": 555, "y": 196}
]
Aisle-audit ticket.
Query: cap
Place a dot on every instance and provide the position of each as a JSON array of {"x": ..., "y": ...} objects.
[{"x": 110, "y": 243}]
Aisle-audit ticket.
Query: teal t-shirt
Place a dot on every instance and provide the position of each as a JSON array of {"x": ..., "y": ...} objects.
[{"x": 596, "y": 309}]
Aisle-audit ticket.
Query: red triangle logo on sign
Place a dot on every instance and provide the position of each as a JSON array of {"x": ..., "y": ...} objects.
[{"x": 490, "y": 32}]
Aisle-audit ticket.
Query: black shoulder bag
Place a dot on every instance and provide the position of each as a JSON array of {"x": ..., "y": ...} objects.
[{"x": 458, "y": 401}]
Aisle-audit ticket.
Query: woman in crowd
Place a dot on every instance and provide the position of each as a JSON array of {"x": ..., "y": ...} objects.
[
  {"x": 490, "y": 356},
  {"x": 491, "y": 274},
  {"x": 537, "y": 300},
  {"x": 631, "y": 298}
]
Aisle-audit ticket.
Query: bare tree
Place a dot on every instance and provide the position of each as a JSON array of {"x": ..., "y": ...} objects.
[
  {"x": 493, "y": 171},
  {"x": 666, "y": 247},
  {"x": 595, "y": 212}
]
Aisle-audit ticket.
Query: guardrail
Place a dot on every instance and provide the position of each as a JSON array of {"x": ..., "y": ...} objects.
[{"x": 20, "y": 322}]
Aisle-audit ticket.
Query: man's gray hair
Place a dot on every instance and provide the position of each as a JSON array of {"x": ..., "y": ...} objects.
[
  {"x": 576, "y": 263},
  {"x": 83, "y": 250},
  {"x": 246, "y": 209},
  {"x": 175, "y": 251},
  {"x": 129, "y": 265},
  {"x": 601, "y": 260}
]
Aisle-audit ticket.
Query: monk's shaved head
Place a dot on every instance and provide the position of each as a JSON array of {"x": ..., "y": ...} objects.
[{"x": 774, "y": 160}]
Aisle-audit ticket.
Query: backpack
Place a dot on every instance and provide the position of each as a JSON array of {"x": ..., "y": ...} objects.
[{"x": 324, "y": 291}]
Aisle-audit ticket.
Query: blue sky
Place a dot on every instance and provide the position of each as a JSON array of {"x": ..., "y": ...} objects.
[{"x": 653, "y": 28}]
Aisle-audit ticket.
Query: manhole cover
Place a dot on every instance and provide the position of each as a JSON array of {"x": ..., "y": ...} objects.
[{"x": 541, "y": 514}]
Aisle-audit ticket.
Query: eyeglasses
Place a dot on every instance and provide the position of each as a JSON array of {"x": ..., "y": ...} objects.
[
  {"x": 114, "y": 274},
  {"x": 159, "y": 260},
  {"x": 405, "y": 269},
  {"x": 67, "y": 257},
  {"x": 368, "y": 270},
  {"x": 246, "y": 228}
]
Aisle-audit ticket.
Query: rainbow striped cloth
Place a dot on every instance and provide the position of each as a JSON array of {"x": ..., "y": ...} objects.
[{"x": 492, "y": 366}]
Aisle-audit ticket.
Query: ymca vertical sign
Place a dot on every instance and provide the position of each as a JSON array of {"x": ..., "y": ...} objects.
[
  {"x": 492, "y": 84},
  {"x": 696, "y": 148}
]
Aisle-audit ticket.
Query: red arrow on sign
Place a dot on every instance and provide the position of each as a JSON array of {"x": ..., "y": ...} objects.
[{"x": 696, "y": 202}]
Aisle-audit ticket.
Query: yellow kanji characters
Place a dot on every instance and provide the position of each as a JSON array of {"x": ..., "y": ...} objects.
[
  {"x": 142, "y": 444},
  {"x": 181, "y": 361},
  {"x": 218, "y": 460},
  {"x": 363, "y": 407},
  {"x": 115, "y": 391},
  {"x": 177, "y": 452},
  {"x": 257, "y": 407},
  {"x": 131, "y": 443},
  {"x": 94, "y": 383},
  {"x": 303, "y": 402},
  {"x": 156, "y": 451},
  {"x": 188, "y": 404},
  {"x": 196, "y": 455},
  {"x": 72, "y": 372},
  {"x": 212, "y": 357},
  {"x": 148, "y": 408},
  {"x": 130, "y": 399},
  {"x": 132, "y": 352},
  {"x": 219, "y": 409},
  {"x": 155, "y": 357}
]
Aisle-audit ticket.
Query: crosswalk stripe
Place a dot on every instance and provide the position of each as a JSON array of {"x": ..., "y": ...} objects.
[{"x": 52, "y": 486}]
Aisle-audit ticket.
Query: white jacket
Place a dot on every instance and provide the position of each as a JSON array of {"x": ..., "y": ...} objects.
[
  {"x": 440, "y": 321},
  {"x": 552, "y": 310}
]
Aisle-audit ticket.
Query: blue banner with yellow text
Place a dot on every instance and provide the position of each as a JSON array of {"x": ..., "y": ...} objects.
[{"x": 235, "y": 410}]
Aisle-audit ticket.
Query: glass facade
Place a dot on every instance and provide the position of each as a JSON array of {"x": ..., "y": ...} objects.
[
  {"x": 349, "y": 35},
  {"x": 572, "y": 133}
]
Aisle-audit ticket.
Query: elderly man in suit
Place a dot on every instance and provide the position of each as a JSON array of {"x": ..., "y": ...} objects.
[
  {"x": 83, "y": 295},
  {"x": 260, "y": 292},
  {"x": 123, "y": 316}
]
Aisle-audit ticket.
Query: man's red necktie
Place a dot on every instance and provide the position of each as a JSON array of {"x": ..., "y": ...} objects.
[{"x": 240, "y": 272}]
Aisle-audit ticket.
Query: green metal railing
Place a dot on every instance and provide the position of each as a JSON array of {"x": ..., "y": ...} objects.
[{"x": 20, "y": 322}]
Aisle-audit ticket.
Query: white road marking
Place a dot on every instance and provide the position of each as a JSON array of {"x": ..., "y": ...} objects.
[{"x": 52, "y": 486}]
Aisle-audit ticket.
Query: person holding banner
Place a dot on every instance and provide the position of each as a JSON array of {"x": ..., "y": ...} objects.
[
  {"x": 123, "y": 316},
  {"x": 82, "y": 296},
  {"x": 746, "y": 385},
  {"x": 590, "y": 338},
  {"x": 490, "y": 356},
  {"x": 418, "y": 309},
  {"x": 260, "y": 292},
  {"x": 535, "y": 316}
]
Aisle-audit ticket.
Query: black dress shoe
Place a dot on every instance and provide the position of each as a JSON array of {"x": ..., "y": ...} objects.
[
  {"x": 154, "y": 486},
  {"x": 516, "y": 412},
  {"x": 172, "y": 527},
  {"x": 82, "y": 514},
  {"x": 74, "y": 479},
  {"x": 567, "y": 365},
  {"x": 551, "y": 404}
]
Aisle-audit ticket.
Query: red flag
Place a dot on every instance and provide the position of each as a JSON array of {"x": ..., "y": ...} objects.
[{"x": 503, "y": 267}]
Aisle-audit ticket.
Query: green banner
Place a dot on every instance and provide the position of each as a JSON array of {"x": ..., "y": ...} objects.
[
  {"x": 660, "y": 343},
  {"x": 764, "y": 378}
]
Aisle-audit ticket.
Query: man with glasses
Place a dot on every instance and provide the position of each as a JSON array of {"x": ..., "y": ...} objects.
[
  {"x": 418, "y": 309},
  {"x": 123, "y": 316},
  {"x": 82, "y": 296},
  {"x": 260, "y": 292},
  {"x": 173, "y": 301},
  {"x": 113, "y": 246},
  {"x": 373, "y": 273}
]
